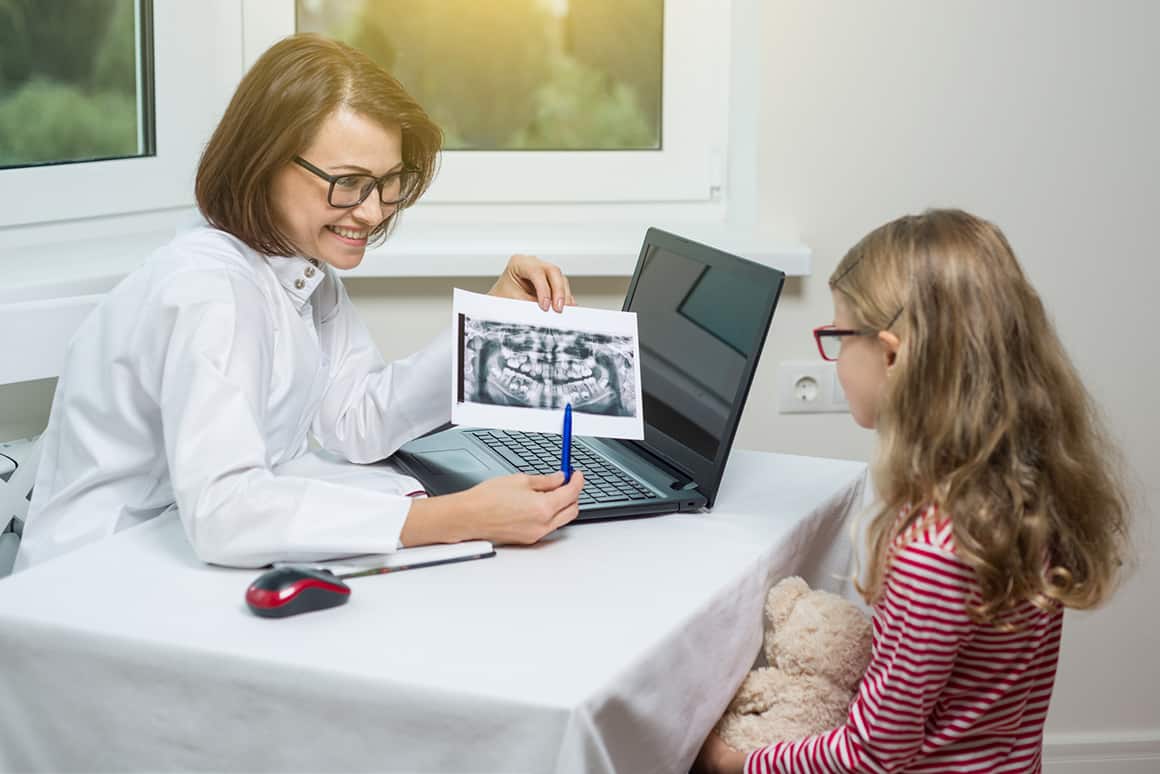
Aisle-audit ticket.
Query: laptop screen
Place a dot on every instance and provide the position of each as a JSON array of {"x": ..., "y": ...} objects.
[{"x": 702, "y": 317}]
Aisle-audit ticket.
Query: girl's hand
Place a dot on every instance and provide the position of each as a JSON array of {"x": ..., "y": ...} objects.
[
  {"x": 527, "y": 278},
  {"x": 716, "y": 757},
  {"x": 522, "y": 508}
]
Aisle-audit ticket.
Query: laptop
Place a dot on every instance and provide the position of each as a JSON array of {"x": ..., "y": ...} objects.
[{"x": 702, "y": 319}]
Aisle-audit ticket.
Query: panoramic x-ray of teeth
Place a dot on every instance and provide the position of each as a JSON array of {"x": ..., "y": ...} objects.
[{"x": 529, "y": 366}]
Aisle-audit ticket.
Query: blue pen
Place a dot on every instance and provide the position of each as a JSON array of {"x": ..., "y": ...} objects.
[{"x": 566, "y": 445}]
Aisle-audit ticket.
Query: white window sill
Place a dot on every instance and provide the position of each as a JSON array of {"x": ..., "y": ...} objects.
[
  {"x": 581, "y": 250},
  {"x": 92, "y": 265}
]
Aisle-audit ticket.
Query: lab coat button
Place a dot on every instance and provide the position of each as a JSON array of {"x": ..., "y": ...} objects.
[
  {"x": 300, "y": 283},
  {"x": 309, "y": 271}
]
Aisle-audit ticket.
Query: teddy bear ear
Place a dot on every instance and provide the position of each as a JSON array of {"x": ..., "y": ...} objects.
[{"x": 780, "y": 600}]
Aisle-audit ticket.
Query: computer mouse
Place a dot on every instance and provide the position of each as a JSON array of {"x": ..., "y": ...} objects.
[{"x": 286, "y": 591}]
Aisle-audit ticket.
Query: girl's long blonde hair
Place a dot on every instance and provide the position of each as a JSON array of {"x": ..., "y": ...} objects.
[{"x": 984, "y": 416}]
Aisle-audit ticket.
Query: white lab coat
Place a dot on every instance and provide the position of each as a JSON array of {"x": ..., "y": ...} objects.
[{"x": 196, "y": 385}]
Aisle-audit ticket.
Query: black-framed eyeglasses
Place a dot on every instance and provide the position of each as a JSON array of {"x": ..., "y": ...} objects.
[{"x": 351, "y": 190}]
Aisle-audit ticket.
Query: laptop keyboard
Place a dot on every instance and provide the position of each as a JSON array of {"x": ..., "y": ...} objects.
[{"x": 539, "y": 454}]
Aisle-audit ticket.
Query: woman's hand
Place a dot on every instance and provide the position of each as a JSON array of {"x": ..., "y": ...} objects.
[
  {"x": 521, "y": 508},
  {"x": 509, "y": 509},
  {"x": 527, "y": 278},
  {"x": 716, "y": 757}
]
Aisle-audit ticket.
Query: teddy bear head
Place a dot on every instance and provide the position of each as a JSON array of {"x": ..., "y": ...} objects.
[{"x": 815, "y": 634}]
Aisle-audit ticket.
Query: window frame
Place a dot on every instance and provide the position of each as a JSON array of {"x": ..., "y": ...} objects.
[
  {"x": 694, "y": 121},
  {"x": 58, "y": 242},
  {"x": 192, "y": 83}
]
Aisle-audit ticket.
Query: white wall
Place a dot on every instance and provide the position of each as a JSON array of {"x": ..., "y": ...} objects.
[{"x": 1041, "y": 116}]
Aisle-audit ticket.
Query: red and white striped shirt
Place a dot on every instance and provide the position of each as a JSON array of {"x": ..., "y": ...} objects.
[{"x": 942, "y": 693}]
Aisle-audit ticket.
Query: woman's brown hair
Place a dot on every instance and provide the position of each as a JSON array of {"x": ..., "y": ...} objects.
[
  {"x": 984, "y": 416},
  {"x": 277, "y": 111}
]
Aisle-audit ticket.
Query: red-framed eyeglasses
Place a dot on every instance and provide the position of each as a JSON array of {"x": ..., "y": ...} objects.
[{"x": 829, "y": 339}]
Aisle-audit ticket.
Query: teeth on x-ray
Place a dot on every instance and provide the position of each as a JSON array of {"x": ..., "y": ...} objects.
[{"x": 537, "y": 367}]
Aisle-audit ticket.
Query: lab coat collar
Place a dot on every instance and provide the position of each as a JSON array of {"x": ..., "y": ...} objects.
[{"x": 298, "y": 276}]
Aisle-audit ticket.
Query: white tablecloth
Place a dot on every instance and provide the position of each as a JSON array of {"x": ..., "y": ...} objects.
[{"x": 612, "y": 647}]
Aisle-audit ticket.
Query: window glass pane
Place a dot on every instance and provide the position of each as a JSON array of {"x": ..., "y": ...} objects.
[
  {"x": 516, "y": 74},
  {"x": 75, "y": 81}
]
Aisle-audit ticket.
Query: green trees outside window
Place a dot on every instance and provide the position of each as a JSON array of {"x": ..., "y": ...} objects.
[
  {"x": 68, "y": 81},
  {"x": 516, "y": 74}
]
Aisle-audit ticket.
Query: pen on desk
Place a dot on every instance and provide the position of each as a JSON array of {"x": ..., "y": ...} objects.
[
  {"x": 566, "y": 445},
  {"x": 362, "y": 573}
]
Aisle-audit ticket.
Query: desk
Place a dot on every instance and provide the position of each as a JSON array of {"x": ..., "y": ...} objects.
[{"x": 611, "y": 647}]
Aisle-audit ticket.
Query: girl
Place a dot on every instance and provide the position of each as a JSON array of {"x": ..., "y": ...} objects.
[
  {"x": 200, "y": 380},
  {"x": 999, "y": 505}
]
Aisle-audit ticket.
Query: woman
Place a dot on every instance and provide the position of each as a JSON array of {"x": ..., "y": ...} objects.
[{"x": 200, "y": 381}]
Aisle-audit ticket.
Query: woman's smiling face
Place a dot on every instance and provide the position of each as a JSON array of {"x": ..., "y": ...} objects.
[{"x": 346, "y": 143}]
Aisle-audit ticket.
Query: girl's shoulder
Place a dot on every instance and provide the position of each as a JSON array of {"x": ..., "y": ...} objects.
[
  {"x": 924, "y": 551},
  {"x": 926, "y": 526}
]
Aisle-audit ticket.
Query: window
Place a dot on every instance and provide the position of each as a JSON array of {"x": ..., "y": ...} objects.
[
  {"x": 566, "y": 101},
  {"x": 625, "y": 125},
  {"x": 76, "y": 81},
  {"x": 64, "y": 81},
  {"x": 521, "y": 75}
]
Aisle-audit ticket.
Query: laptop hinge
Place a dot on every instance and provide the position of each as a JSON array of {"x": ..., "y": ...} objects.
[{"x": 684, "y": 482}]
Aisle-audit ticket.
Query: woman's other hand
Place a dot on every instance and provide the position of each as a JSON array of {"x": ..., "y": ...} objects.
[
  {"x": 716, "y": 757},
  {"x": 522, "y": 509},
  {"x": 518, "y": 509},
  {"x": 527, "y": 278}
]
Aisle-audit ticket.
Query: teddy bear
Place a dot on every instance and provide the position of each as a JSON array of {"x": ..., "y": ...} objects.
[{"x": 817, "y": 646}]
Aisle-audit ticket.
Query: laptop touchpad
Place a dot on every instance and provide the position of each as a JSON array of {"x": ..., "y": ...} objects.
[{"x": 451, "y": 461}]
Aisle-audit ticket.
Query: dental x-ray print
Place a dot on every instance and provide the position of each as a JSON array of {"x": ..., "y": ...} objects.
[
  {"x": 517, "y": 366},
  {"x": 533, "y": 366}
]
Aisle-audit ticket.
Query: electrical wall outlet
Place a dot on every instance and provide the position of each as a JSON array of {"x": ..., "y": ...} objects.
[{"x": 809, "y": 387}]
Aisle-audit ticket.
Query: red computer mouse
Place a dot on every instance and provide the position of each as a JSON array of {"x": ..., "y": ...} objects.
[{"x": 287, "y": 591}]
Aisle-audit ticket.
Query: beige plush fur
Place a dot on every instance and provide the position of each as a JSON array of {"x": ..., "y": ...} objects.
[{"x": 817, "y": 646}]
